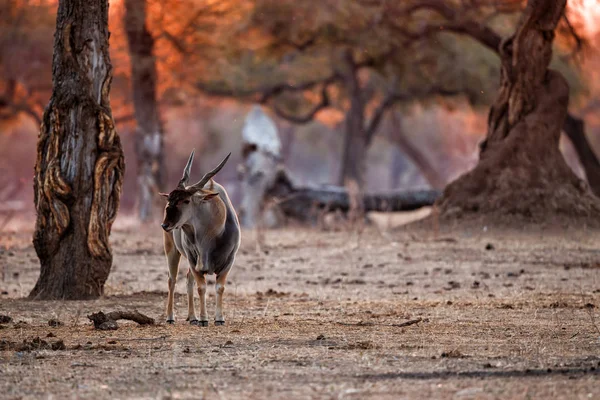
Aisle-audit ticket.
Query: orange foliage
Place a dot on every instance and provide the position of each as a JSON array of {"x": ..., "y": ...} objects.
[
  {"x": 190, "y": 38},
  {"x": 585, "y": 14}
]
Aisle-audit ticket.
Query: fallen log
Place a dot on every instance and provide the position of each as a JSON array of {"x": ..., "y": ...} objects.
[
  {"x": 301, "y": 200},
  {"x": 298, "y": 202}
]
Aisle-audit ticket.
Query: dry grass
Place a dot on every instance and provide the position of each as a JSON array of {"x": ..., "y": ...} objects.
[{"x": 312, "y": 315}]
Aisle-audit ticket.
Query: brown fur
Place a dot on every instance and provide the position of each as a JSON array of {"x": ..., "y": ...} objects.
[
  {"x": 178, "y": 195},
  {"x": 222, "y": 279},
  {"x": 219, "y": 212},
  {"x": 218, "y": 237}
]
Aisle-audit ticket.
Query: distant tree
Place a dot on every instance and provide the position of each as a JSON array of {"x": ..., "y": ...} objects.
[
  {"x": 149, "y": 131},
  {"x": 79, "y": 168},
  {"x": 446, "y": 19},
  {"x": 521, "y": 170}
]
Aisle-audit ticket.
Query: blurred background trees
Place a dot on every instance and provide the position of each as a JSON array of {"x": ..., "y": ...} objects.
[
  {"x": 387, "y": 94},
  {"x": 27, "y": 29},
  {"x": 149, "y": 131}
]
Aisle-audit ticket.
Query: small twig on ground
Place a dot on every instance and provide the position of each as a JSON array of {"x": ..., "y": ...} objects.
[
  {"x": 163, "y": 337},
  {"x": 76, "y": 364},
  {"x": 108, "y": 321},
  {"x": 400, "y": 325}
]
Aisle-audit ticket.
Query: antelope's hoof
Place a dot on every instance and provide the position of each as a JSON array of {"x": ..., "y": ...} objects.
[
  {"x": 219, "y": 323},
  {"x": 199, "y": 323},
  {"x": 170, "y": 321}
]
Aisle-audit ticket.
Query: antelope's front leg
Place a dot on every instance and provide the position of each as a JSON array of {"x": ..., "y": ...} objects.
[
  {"x": 190, "y": 292},
  {"x": 173, "y": 258},
  {"x": 220, "y": 289},
  {"x": 201, "y": 282}
]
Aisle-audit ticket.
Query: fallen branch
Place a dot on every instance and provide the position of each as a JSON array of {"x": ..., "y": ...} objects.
[
  {"x": 108, "y": 321},
  {"x": 299, "y": 203},
  {"x": 400, "y": 325},
  {"x": 163, "y": 337}
]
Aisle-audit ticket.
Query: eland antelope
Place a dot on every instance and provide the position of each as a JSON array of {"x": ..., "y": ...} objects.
[{"x": 201, "y": 225}]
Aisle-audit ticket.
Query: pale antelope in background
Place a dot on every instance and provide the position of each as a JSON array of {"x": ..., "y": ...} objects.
[{"x": 200, "y": 224}]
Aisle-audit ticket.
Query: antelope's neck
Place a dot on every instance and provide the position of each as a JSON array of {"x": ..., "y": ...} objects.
[{"x": 214, "y": 227}]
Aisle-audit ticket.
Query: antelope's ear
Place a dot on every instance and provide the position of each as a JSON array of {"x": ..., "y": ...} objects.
[
  {"x": 209, "y": 196},
  {"x": 165, "y": 195}
]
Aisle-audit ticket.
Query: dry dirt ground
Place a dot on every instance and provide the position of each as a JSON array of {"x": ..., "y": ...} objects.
[{"x": 313, "y": 314}]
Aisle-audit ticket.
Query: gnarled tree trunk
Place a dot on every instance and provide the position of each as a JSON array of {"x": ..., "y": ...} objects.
[
  {"x": 521, "y": 171},
  {"x": 149, "y": 137},
  {"x": 79, "y": 168}
]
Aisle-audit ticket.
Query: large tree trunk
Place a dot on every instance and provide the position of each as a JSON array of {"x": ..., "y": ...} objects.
[
  {"x": 149, "y": 137},
  {"x": 521, "y": 172},
  {"x": 79, "y": 168}
]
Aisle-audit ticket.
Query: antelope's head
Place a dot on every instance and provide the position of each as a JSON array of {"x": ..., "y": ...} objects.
[{"x": 187, "y": 202}]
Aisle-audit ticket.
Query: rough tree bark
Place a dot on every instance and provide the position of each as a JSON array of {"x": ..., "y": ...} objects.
[
  {"x": 149, "y": 136},
  {"x": 521, "y": 170},
  {"x": 79, "y": 167}
]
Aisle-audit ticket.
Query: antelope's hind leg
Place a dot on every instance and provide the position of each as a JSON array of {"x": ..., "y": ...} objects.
[
  {"x": 173, "y": 258},
  {"x": 201, "y": 282}
]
